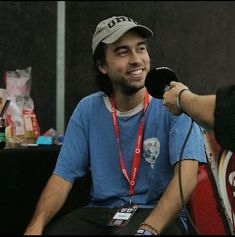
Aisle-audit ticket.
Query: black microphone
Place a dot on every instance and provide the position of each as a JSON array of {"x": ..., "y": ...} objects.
[{"x": 158, "y": 79}]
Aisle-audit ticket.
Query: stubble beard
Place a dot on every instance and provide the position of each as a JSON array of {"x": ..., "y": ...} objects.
[
  {"x": 127, "y": 88},
  {"x": 131, "y": 90}
]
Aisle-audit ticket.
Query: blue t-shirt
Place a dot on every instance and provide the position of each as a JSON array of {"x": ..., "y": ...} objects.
[{"x": 90, "y": 143}]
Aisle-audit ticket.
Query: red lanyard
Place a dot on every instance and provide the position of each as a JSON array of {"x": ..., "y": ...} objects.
[{"x": 138, "y": 145}]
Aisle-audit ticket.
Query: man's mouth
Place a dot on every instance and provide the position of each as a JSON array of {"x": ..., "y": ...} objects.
[{"x": 136, "y": 72}]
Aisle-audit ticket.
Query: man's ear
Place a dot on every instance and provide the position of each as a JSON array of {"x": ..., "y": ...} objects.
[{"x": 102, "y": 68}]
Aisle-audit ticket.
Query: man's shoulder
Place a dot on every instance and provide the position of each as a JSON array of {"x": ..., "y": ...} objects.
[
  {"x": 94, "y": 97},
  {"x": 88, "y": 105},
  {"x": 91, "y": 102}
]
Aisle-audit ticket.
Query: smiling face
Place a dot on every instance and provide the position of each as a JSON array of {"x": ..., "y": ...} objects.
[{"x": 127, "y": 63}]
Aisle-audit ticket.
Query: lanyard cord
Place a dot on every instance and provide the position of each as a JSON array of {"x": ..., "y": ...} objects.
[{"x": 138, "y": 146}]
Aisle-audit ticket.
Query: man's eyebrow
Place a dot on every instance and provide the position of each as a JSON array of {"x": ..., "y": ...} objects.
[{"x": 125, "y": 46}]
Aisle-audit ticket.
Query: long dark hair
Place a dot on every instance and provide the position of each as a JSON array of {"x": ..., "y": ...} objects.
[{"x": 101, "y": 80}]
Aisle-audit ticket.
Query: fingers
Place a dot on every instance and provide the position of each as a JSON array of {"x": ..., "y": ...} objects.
[
  {"x": 167, "y": 88},
  {"x": 173, "y": 83},
  {"x": 170, "y": 97},
  {"x": 177, "y": 84},
  {"x": 172, "y": 109}
]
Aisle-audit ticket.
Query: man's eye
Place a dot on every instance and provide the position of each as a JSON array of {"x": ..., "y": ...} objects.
[
  {"x": 142, "y": 48},
  {"x": 123, "y": 52}
]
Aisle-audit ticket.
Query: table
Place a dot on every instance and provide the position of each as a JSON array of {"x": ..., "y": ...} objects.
[{"x": 23, "y": 174}]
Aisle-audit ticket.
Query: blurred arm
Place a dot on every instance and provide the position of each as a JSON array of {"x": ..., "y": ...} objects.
[
  {"x": 50, "y": 202},
  {"x": 199, "y": 107}
]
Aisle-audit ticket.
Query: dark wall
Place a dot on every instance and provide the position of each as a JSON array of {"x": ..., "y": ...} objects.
[
  {"x": 28, "y": 38},
  {"x": 194, "y": 38}
]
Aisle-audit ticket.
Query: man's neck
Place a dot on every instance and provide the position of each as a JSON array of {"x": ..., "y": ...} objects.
[{"x": 128, "y": 102}]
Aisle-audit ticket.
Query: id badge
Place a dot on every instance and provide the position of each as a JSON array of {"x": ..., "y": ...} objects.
[{"x": 123, "y": 215}]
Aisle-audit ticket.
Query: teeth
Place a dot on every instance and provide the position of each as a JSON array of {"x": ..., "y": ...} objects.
[{"x": 136, "y": 72}]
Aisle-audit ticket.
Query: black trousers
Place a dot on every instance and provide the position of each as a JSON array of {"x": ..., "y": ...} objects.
[{"x": 93, "y": 221}]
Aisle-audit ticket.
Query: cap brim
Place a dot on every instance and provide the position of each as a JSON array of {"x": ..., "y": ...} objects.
[{"x": 143, "y": 30}]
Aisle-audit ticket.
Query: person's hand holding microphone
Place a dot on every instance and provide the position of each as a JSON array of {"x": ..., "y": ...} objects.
[{"x": 171, "y": 97}]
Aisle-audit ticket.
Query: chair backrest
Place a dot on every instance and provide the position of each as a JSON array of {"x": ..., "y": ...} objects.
[{"x": 211, "y": 204}]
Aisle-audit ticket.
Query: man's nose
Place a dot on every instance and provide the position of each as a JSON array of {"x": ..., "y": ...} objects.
[{"x": 134, "y": 58}]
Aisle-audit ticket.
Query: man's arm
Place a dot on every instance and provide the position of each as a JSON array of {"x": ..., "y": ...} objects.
[
  {"x": 50, "y": 202},
  {"x": 199, "y": 107},
  {"x": 170, "y": 204}
]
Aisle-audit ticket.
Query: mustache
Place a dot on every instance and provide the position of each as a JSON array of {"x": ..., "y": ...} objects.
[{"x": 136, "y": 66}]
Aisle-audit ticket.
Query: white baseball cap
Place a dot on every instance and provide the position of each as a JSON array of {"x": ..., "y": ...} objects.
[{"x": 110, "y": 30}]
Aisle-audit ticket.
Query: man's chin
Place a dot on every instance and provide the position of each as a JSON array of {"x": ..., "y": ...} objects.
[{"x": 132, "y": 90}]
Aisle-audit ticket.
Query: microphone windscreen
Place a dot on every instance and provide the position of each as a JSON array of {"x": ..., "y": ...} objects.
[{"x": 158, "y": 79}]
